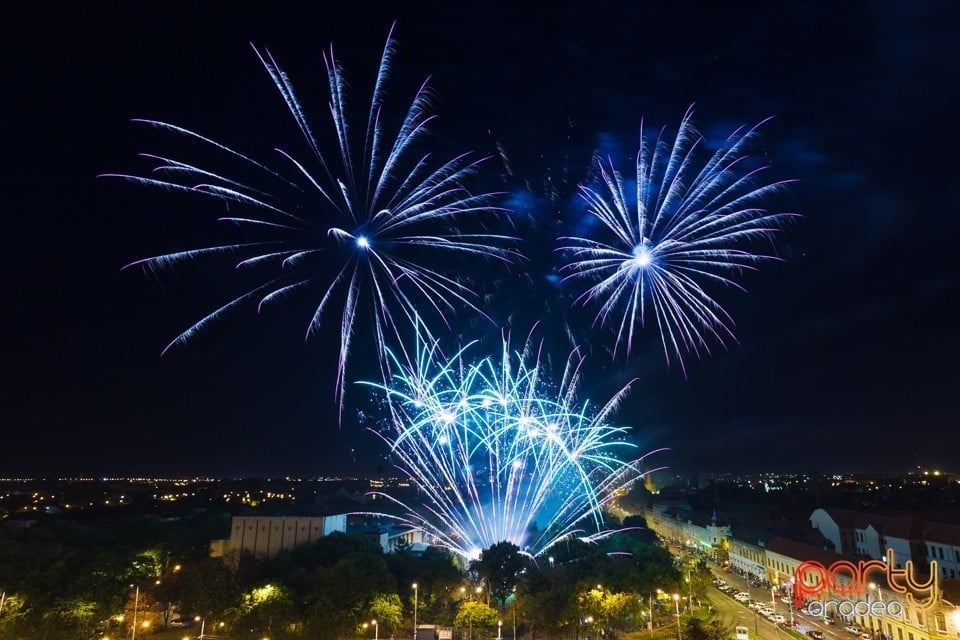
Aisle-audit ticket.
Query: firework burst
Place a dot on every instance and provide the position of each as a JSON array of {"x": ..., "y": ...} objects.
[
  {"x": 498, "y": 453},
  {"x": 371, "y": 227},
  {"x": 660, "y": 246}
]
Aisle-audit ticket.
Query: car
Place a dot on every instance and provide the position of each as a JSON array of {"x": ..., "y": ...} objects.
[
  {"x": 866, "y": 635},
  {"x": 756, "y": 605},
  {"x": 742, "y": 596},
  {"x": 778, "y": 618},
  {"x": 852, "y": 629},
  {"x": 767, "y": 611}
]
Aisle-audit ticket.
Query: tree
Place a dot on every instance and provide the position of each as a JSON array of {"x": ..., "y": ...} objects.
[
  {"x": 387, "y": 610},
  {"x": 697, "y": 629},
  {"x": 265, "y": 611},
  {"x": 477, "y": 618},
  {"x": 701, "y": 579},
  {"x": 208, "y": 588},
  {"x": 438, "y": 578},
  {"x": 619, "y": 609},
  {"x": 498, "y": 566}
]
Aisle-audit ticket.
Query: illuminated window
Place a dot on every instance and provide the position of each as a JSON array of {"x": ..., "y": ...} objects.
[{"x": 940, "y": 620}]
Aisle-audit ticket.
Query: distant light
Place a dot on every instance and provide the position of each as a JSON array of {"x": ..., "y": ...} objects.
[{"x": 363, "y": 242}]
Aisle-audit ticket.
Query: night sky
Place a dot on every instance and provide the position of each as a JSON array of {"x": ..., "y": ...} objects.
[{"x": 847, "y": 349}]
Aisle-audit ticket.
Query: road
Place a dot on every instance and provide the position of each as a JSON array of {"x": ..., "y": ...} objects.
[{"x": 732, "y": 613}]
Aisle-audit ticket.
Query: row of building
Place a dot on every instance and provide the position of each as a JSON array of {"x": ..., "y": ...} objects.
[
  {"x": 266, "y": 536},
  {"x": 896, "y": 576}
]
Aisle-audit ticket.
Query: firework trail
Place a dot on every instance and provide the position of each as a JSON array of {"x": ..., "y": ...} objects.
[
  {"x": 684, "y": 227},
  {"x": 371, "y": 226},
  {"x": 497, "y": 452}
]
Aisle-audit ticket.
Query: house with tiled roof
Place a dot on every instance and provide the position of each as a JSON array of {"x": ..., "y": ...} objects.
[
  {"x": 746, "y": 552},
  {"x": 905, "y": 536},
  {"x": 943, "y": 545},
  {"x": 783, "y": 556},
  {"x": 839, "y": 526}
]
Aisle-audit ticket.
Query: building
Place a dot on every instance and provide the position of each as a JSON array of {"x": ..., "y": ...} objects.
[
  {"x": 679, "y": 524},
  {"x": 747, "y": 555},
  {"x": 266, "y": 536},
  {"x": 839, "y": 527},
  {"x": 943, "y": 545}
]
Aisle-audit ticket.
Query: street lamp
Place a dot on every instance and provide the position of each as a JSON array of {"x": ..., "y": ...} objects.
[
  {"x": 676, "y": 603},
  {"x": 136, "y": 604},
  {"x": 650, "y": 603},
  {"x": 376, "y": 630},
  {"x": 203, "y": 622},
  {"x": 499, "y": 629},
  {"x": 873, "y": 620},
  {"x": 415, "y": 595}
]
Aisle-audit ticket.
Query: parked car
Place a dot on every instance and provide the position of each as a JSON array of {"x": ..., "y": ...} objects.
[
  {"x": 816, "y": 634},
  {"x": 852, "y": 629},
  {"x": 778, "y": 618},
  {"x": 866, "y": 635},
  {"x": 767, "y": 611}
]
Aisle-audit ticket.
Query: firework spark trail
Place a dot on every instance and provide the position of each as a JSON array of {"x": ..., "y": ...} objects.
[
  {"x": 494, "y": 449},
  {"x": 386, "y": 226},
  {"x": 679, "y": 231}
]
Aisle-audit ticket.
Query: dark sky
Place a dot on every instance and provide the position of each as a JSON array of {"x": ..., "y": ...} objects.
[{"x": 847, "y": 349}]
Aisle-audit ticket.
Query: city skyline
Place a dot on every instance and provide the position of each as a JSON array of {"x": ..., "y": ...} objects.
[{"x": 844, "y": 349}]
